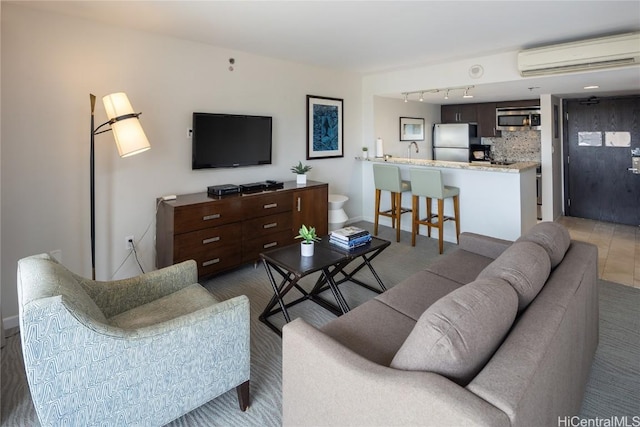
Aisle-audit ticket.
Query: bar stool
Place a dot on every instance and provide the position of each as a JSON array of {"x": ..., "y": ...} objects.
[
  {"x": 428, "y": 183},
  {"x": 387, "y": 178}
]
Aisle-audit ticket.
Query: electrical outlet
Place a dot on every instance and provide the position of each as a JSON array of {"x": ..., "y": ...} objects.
[
  {"x": 189, "y": 132},
  {"x": 128, "y": 242}
]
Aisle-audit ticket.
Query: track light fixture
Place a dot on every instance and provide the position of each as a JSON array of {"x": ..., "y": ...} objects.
[{"x": 421, "y": 93}]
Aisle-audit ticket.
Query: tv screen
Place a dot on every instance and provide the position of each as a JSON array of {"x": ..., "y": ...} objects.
[{"x": 230, "y": 140}]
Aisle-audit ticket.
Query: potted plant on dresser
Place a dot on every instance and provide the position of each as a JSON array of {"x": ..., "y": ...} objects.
[
  {"x": 309, "y": 237},
  {"x": 300, "y": 170}
]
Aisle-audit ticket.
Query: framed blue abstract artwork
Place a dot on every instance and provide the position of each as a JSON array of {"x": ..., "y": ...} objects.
[{"x": 324, "y": 127}]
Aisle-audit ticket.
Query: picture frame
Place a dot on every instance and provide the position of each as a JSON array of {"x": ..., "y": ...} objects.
[
  {"x": 325, "y": 119},
  {"x": 411, "y": 129}
]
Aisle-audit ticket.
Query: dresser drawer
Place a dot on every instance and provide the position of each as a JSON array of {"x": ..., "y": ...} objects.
[
  {"x": 266, "y": 204},
  {"x": 197, "y": 243},
  {"x": 262, "y": 226},
  {"x": 205, "y": 215},
  {"x": 218, "y": 260},
  {"x": 251, "y": 248}
]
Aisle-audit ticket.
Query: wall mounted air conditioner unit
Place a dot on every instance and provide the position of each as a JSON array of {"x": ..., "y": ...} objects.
[{"x": 603, "y": 52}]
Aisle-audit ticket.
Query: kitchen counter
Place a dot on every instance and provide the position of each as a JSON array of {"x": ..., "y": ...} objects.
[
  {"x": 517, "y": 167},
  {"x": 495, "y": 200}
]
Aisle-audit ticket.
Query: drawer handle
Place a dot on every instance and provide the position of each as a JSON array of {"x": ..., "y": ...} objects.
[
  {"x": 269, "y": 245},
  {"x": 211, "y": 262},
  {"x": 273, "y": 224},
  {"x": 211, "y": 240},
  {"x": 208, "y": 217},
  {"x": 299, "y": 206},
  {"x": 270, "y": 205}
]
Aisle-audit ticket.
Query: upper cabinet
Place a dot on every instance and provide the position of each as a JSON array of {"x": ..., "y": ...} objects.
[
  {"x": 462, "y": 113},
  {"x": 484, "y": 114}
]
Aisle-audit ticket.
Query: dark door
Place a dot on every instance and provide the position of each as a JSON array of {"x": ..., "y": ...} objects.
[{"x": 598, "y": 184}]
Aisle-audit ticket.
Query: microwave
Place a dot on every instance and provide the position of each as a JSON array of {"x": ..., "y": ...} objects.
[{"x": 518, "y": 118}]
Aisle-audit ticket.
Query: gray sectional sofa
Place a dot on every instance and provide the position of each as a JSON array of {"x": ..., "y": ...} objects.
[{"x": 496, "y": 333}]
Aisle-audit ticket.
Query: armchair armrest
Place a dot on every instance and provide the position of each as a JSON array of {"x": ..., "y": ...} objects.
[
  {"x": 324, "y": 383},
  {"x": 118, "y": 296},
  {"x": 490, "y": 247}
]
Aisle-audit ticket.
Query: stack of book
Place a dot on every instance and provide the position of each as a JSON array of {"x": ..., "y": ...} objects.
[{"x": 349, "y": 237}]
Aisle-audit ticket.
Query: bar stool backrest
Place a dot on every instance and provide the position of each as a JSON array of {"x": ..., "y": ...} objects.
[
  {"x": 387, "y": 177},
  {"x": 427, "y": 183}
]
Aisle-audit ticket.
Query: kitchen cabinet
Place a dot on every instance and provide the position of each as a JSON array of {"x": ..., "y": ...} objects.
[
  {"x": 223, "y": 232},
  {"x": 486, "y": 115},
  {"x": 519, "y": 103},
  {"x": 458, "y": 113}
]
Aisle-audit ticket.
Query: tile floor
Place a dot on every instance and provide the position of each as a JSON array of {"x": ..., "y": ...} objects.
[{"x": 618, "y": 248}]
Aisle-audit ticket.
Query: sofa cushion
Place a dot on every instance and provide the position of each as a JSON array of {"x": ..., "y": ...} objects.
[
  {"x": 457, "y": 335},
  {"x": 526, "y": 266},
  {"x": 553, "y": 237},
  {"x": 415, "y": 294},
  {"x": 373, "y": 330},
  {"x": 184, "y": 301},
  {"x": 450, "y": 266}
]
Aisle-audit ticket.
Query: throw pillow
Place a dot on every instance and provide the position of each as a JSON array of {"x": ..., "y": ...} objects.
[
  {"x": 458, "y": 334},
  {"x": 526, "y": 266},
  {"x": 553, "y": 237}
]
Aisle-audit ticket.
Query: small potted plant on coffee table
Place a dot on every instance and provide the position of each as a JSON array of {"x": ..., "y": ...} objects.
[
  {"x": 300, "y": 170},
  {"x": 308, "y": 236}
]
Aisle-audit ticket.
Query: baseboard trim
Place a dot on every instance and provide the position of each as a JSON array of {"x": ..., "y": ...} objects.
[{"x": 10, "y": 322}]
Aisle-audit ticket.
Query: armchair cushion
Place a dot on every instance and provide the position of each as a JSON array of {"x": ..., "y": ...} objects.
[{"x": 184, "y": 301}]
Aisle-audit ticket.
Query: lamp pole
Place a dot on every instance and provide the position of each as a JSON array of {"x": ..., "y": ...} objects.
[{"x": 92, "y": 98}]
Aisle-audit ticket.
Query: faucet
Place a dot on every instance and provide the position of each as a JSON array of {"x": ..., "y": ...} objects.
[{"x": 409, "y": 148}]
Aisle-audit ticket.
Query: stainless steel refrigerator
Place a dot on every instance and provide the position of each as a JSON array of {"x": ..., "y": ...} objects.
[{"x": 451, "y": 141}]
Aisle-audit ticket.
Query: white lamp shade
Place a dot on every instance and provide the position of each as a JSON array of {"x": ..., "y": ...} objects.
[
  {"x": 129, "y": 136},
  {"x": 117, "y": 104},
  {"x": 128, "y": 133}
]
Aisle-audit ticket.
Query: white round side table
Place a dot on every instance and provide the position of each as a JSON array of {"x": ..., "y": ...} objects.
[{"x": 337, "y": 215}]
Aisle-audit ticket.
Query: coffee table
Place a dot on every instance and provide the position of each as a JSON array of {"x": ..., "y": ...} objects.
[{"x": 330, "y": 261}]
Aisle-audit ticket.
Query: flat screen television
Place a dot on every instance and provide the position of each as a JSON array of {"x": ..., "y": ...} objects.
[{"x": 230, "y": 140}]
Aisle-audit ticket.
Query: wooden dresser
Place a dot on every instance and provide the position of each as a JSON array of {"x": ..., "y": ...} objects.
[{"x": 221, "y": 233}]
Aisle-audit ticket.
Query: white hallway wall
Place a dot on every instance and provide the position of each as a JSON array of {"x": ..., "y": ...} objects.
[{"x": 50, "y": 64}]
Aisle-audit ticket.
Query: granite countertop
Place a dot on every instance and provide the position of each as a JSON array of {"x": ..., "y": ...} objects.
[{"x": 479, "y": 166}]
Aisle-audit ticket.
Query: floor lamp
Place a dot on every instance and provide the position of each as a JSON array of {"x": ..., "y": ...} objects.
[{"x": 130, "y": 140}]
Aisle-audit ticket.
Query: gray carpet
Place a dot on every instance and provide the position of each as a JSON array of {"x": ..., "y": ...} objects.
[{"x": 613, "y": 388}]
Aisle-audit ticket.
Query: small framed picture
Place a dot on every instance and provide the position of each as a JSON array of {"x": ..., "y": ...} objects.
[
  {"x": 411, "y": 129},
  {"x": 324, "y": 127}
]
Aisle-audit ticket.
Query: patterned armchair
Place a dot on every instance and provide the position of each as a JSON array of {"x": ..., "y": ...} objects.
[{"x": 139, "y": 351}]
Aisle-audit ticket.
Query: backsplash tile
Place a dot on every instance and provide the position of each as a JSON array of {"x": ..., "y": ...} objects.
[{"x": 520, "y": 146}]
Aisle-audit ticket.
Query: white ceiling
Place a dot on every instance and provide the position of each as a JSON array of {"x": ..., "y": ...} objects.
[{"x": 373, "y": 36}]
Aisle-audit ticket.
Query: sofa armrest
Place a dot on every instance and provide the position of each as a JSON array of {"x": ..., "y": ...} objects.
[
  {"x": 118, "y": 296},
  {"x": 490, "y": 247},
  {"x": 324, "y": 383}
]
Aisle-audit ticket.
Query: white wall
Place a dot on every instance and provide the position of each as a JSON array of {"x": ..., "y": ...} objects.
[
  {"x": 387, "y": 113},
  {"x": 50, "y": 65},
  {"x": 551, "y": 158}
]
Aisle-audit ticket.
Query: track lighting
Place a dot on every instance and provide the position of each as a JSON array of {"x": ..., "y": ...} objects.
[{"x": 421, "y": 93}]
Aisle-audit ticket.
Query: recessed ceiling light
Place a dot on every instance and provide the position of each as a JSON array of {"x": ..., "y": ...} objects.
[{"x": 591, "y": 87}]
